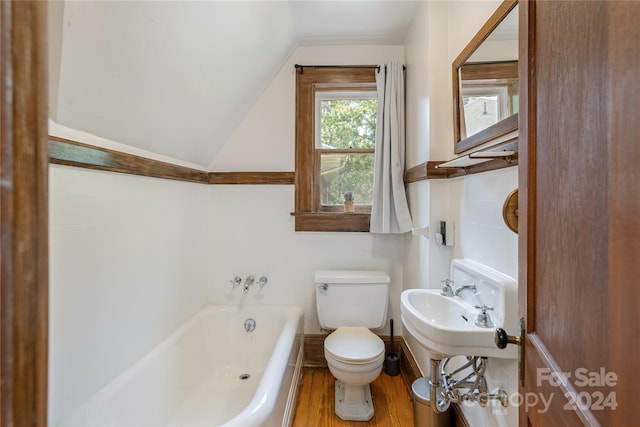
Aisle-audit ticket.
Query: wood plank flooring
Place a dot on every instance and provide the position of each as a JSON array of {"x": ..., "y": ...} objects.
[{"x": 315, "y": 407}]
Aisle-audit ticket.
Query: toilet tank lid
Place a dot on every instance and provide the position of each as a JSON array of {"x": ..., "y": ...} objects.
[{"x": 351, "y": 276}]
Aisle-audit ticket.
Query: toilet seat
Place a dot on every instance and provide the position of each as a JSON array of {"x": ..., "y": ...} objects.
[{"x": 354, "y": 345}]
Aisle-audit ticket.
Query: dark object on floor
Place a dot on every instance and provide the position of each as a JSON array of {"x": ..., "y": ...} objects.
[{"x": 392, "y": 358}]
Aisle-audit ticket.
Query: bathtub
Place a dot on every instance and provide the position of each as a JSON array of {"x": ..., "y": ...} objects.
[{"x": 210, "y": 372}]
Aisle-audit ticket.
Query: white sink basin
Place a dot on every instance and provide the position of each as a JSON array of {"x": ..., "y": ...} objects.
[{"x": 445, "y": 326}]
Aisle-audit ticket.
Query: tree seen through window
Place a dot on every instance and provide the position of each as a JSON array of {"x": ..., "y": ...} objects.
[{"x": 347, "y": 124}]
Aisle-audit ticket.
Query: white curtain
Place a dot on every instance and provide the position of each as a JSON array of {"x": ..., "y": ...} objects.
[{"x": 389, "y": 209}]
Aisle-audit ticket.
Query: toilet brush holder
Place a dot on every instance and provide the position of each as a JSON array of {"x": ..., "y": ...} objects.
[{"x": 392, "y": 358}]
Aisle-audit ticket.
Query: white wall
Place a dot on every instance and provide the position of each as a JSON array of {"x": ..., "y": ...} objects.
[
  {"x": 478, "y": 206},
  {"x": 251, "y": 230},
  {"x": 265, "y": 140},
  {"x": 127, "y": 267},
  {"x": 429, "y": 137},
  {"x": 438, "y": 34}
]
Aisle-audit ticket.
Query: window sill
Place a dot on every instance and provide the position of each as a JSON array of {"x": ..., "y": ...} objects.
[{"x": 332, "y": 221}]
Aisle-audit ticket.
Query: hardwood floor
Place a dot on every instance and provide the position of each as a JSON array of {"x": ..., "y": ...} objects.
[{"x": 315, "y": 407}]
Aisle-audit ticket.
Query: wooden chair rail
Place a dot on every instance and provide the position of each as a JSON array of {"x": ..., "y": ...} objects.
[{"x": 72, "y": 153}]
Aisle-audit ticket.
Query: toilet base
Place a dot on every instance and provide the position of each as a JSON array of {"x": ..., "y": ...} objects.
[{"x": 353, "y": 402}]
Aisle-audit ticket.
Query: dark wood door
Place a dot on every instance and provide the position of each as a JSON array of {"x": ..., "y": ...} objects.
[{"x": 579, "y": 233}]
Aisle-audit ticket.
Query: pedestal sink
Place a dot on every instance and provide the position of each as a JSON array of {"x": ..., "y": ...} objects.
[{"x": 445, "y": 325}]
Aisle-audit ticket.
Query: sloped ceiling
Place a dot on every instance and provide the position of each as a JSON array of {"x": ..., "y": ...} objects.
[{"x": 177, "y": 77}]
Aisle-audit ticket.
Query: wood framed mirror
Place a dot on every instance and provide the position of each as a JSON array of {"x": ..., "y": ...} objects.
[{"x": 485, "y": 82}]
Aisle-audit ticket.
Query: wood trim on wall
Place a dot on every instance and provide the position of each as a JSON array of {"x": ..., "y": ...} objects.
[
  {"x": 287, "y": 178},
  {"x": 73, "y": 153},
  {"x": 24, "y": 214},
  {"x": 426, "y": 170}
]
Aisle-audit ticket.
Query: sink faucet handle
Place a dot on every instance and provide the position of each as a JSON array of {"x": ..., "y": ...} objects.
[
  {"x": 484, "y": 308},
  {"x": 235, "y": 281},
  {"x": 484, "y": 320},
  {"x": 447, "y": 290}
]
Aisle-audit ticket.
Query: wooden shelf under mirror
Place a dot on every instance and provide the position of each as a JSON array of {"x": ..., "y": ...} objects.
[
  {"x": 500, "y": 156},
  {"x": 473, "y": 159}
]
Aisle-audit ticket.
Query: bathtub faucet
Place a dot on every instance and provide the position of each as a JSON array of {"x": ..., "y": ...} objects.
[
  {"x": 248, "y": 282},
  {"x": 262, "y": 281},
  {"x": 236, "y": 281}
]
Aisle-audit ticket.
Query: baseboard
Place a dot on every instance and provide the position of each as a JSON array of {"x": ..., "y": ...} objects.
[
  {"x": 314, "y": 351},
  {"x": 409, "y": 368},
  {"x": 459, "y": 420}
]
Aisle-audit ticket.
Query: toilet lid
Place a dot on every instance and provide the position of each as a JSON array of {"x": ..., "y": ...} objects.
[{"x": 354, "y": 345}]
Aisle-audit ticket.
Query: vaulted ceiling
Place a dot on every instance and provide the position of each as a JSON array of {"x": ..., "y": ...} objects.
[{"x": 177, "y": 77}]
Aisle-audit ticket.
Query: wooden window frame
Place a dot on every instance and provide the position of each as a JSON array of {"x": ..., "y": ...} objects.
[{"x": 309, "y": 214}]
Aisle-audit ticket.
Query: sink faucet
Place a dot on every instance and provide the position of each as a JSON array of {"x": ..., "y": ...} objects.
[
  {"x": 447, "y": 290},
  {"x": 461, "y": 289}
]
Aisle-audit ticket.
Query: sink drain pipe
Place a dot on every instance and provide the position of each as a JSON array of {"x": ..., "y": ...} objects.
[
  {"x": 440, "y": 403},
  {"x": 473, "y": 385}
]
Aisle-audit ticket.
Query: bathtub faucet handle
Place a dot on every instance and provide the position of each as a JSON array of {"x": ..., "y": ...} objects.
[
  {"x": 248, "y": 282},
  {"x": 262, "y": 281},
  {"x": 235, "y": 281}
]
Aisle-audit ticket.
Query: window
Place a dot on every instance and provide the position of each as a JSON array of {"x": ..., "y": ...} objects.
[
  {"x": 486, "y": 102},
  {"x": 345, "y": 139},
  {"x": 484, "y": 106},
  {"x": 336, "y": 111}
]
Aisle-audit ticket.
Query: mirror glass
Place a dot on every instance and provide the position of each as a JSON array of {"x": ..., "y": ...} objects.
[{"x": 486, "y": 81}]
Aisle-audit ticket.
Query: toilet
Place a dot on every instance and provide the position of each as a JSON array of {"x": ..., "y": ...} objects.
[{"x": 351, "y": 303}]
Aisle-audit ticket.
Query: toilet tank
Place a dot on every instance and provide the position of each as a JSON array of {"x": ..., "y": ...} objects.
[{"x": 352, "y": 298}]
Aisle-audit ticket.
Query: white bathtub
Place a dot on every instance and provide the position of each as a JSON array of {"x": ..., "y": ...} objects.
[{"x": 194, "y": 377}]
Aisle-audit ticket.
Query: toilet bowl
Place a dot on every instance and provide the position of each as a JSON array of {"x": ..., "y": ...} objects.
[
  {"x": 355, "y": 357},
  {"x": 351, "y": 302}
]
